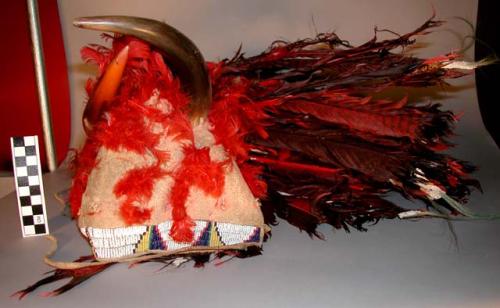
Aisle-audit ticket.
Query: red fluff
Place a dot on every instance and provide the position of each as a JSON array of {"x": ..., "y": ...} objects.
[
  {"x": 134, "y": 214},
  {"x": 306, "y": 111},
  {"x": 128, "y": 132},
  {"x": 234, "y": 115},
  {"x": 137, "y": 185},
  {"x": 199, "y": 171},
  {"x": 129, "y": 123},
  {"x": 252, "y": 175},
  {"x": 179, "y": 127},
  {"x": 322, "y": 149},
  {"x": 83, "y": 163}
]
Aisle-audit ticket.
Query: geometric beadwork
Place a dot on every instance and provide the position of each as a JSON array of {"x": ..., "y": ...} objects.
[
  {"x": 115, "y": 243},
  {"x": 29, "y": 186}
]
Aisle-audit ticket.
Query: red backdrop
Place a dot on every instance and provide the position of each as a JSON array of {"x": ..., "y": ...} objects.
[{"x": 20, "y": 114}]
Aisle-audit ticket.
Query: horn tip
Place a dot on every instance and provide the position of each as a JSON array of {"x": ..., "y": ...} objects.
[
  {"x": 80, "y": 22},
  {"x": 91, "y": 22}
]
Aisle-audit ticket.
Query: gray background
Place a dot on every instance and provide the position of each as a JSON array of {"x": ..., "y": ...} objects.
[{"x": 395, "y": 264}]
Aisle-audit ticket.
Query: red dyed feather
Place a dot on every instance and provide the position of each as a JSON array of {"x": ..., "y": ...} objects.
[
  {"x": 84, "y": 162},
  {"x": 137, "y": 187},
  {"x": 322, "y": 149},
  {"x": 197, "y": 170},
  {"x": 367, "y": 120},
  {"x": 310, "y": 99},
  {"x": 123, "y": 129},
  {"x": 252, "y": 175}
]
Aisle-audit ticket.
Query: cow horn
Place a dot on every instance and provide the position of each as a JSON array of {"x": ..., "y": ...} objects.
[{"x": 181, "y": 53}]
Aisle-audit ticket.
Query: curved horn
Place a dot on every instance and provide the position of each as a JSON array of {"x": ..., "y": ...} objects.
[{"x": 181, "y": 53}]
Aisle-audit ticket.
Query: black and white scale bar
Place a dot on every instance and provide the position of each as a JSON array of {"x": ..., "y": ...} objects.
[{"x": 29, "y": 186}]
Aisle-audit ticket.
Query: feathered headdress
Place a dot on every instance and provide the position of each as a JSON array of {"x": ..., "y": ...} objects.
[{"x": 185, "y": 159}]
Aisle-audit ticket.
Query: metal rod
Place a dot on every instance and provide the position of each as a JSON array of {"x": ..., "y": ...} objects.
[{"x": 41, "y": 81}]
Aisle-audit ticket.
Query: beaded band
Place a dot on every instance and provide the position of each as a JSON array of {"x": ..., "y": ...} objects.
[{"x": 116, "y": 243}]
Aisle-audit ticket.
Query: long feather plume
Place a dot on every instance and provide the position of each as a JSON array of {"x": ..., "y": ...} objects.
[{"x": 310, "y": 128}]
